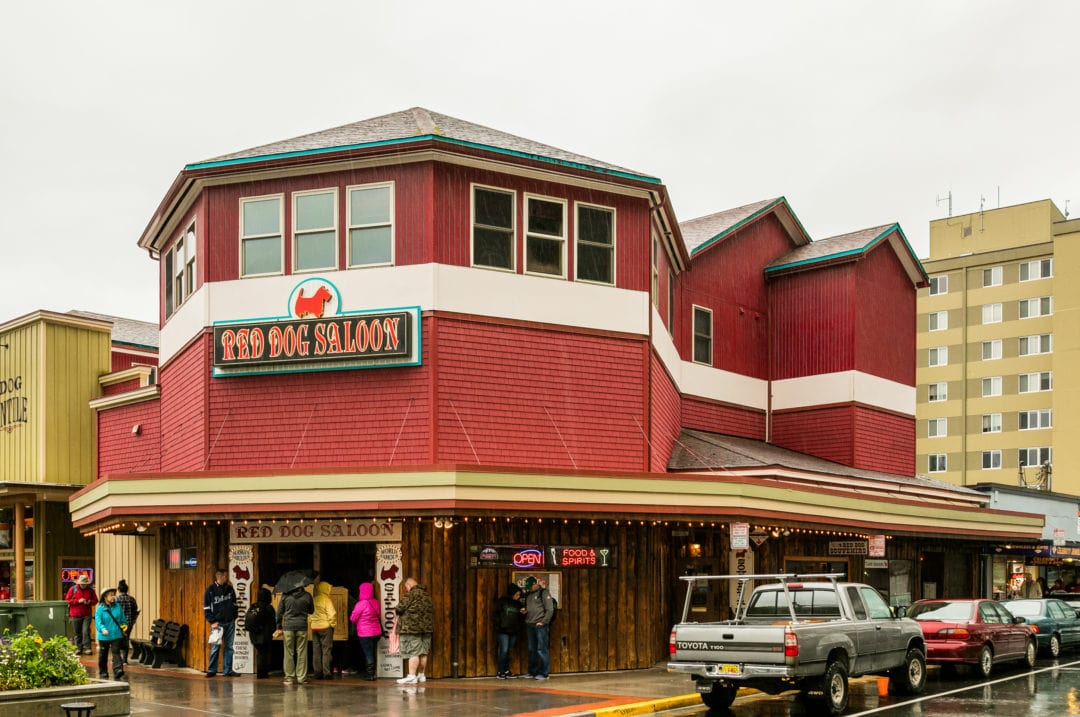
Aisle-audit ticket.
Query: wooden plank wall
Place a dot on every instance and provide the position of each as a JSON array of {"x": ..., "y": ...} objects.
[
  {"x": 609, "y": 619},
  {"x": 138, "y": 560},
  {"x": 182, "y": 590}
]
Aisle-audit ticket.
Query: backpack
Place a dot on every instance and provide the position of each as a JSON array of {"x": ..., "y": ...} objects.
[
  {"x": 554, "y": 606},
  {"x": 254, "y": 617}
]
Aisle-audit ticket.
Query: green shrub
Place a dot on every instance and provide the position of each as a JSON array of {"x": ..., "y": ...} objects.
[{"x": 27, "y": 661}]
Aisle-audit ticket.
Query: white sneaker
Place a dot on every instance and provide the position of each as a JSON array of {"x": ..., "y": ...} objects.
[
  {"x": 408, "y": 680},
  {"x": 421, "y": 678}
]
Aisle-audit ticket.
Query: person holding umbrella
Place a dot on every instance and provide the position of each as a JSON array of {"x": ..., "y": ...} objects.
[
  {"x": 292, "y": 622},
  {"x": 219, "y": 608}
]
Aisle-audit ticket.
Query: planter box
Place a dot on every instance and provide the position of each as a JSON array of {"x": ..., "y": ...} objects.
[{"x": 113, "y": 699}]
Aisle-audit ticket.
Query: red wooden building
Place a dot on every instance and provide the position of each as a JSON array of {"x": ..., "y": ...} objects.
[{"x": 415, "y": 345}]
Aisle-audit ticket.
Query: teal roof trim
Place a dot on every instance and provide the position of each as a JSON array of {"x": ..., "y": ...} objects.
[
  {"x": 851, "y": 252},
  {"x": 748, "y": 220},
  {"x": 404, "y": 140}
]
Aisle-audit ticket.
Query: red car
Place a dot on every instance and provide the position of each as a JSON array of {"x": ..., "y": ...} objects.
[{"x": 977, "y": 632}]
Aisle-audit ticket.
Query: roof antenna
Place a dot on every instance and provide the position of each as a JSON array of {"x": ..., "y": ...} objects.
[{"x": 948, "y": 197}]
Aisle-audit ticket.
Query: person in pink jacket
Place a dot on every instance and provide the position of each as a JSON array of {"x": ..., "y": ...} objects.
[{"x": 366, "y": 615}]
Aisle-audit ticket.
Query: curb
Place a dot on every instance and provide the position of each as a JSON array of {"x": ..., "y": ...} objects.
[{"x": 642, "y": 708}]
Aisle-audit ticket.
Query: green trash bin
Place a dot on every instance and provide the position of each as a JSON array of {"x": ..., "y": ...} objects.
[{"x": 49, "y": 617}]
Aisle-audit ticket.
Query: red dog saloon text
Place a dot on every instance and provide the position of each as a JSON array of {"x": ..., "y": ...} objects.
[{"x": 287, "y": 341}]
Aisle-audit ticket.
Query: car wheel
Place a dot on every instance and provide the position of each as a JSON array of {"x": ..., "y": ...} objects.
[
  {"x": 721, "y": 696},
  {"x": 910, "y": 677},
  {"x": 835, "y": 686},
  {"x": 986, "y": 661},
  {"x": 1029, "y": 653},
  {"x": 1055, "y": 646}
]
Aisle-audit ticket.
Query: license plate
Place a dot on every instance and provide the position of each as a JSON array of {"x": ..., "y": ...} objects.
[{"x": 727, "y": 669}]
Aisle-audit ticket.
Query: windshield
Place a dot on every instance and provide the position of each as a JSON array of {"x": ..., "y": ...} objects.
[
  {"x": 941, "y": 610},
  {"x": 1027, "y": 608}
]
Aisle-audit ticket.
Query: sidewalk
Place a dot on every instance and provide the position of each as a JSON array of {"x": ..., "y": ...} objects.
[{"x": 183, "y": 692}]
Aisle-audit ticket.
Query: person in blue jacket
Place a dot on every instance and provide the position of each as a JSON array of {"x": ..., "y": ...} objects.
[
  {"x": 219, "y": 608},
  {"x": 111, "y": 627}
]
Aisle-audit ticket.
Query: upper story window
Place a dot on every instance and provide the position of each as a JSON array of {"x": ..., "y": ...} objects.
[
  {"x": 938, "y": 356},
  {"x": 545, "y": 236},
  {"x": 1038, "y": 344},
  {"x": 991, "y": 460},
  {"x": 991, "y": 423},
  {"x": 937, "y": 392},
  {"x": 702, "y": 336},
  {"x": 991, "y": 350},
  {"x": 260, "y": 236},
  {"x": 938, "y": 320},
  {"x": 992, "y": 276},
  {"x": 180, "y": 271},
  {"x": 1038, "y": 269},
  {"x": 1031, "y": 420},
  {"x": 315, "y": 230},
  {"x": 493, "y": 228},
  {"x": 991, "y": 386},
  {"x": 1030, "y": 308},
  {"x": 595, "y": 228},
  {"x": 1035, "y": 456},
  {"x": 937, "y": 427},
  {"x": 371, "y": 224},
  {"x": 991, "y": 313},
  {"x": 1035, "y": 382},
  {"x": 937, "y": 463},
  {"x": 939, "y": 285}
]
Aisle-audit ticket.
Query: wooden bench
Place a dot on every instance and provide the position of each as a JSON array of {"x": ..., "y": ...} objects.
[
  {"x": 142, "y": 650},
  {"x": 171, "y": 646}
]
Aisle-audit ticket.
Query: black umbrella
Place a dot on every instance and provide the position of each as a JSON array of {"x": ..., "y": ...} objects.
[{"x": 294, "y": 580}]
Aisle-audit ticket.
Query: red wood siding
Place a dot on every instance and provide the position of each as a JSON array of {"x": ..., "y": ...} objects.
[
  {"x": 704, "y": 415},
  {"x": 665, "y": 418},
  {"x": 885, "y": 317},
  {"x": 813, "y": 329},
  {"x": 122, "y": 361},
  {"x": 121, "y": 451},
  {"x": 884, "y": 441},
  {"x": 728, "y": 278},
  {"x": 118, "y": 388},
  {"x": 453, "y": 229},
  {"x": 534, "y": 397},
  {"x": 825, "y": 432},
  {"x": 183, "y": 407}
]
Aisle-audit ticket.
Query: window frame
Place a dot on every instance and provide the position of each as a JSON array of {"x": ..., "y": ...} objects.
[
  {"x": 942, "y": 323},
  {"x": 296, "y": 232},
  {"x": 941, "y": 352},
  {"x": 937, "y": 427},
  {"x": 1044, "y": 418},
  {"x": 1036, "y": 301},
  {"x": 937, "y": 463},
  {"x": 391, "y": 223},
  {"x": 1039, "y": 263},
  {"x": 694, "y": 334},
  {"x": 1021, "y": 378},
  {"x": 995, "y": 313},
  {"x": 994, "y": 346},
  {"x": 513, "y": 229},
  {"x": 564, "y": 240},
  {"x": 1024, "y": 343},
  {"x": 939, "y": 285},
  {"x": 991, "y": 423},
  {"x": 578, "y": 242},
  {"x": 280, "y": 197},
  {"x": 995, "y": 381},
  {"x": 942, "y": 396},
  {"x": 995, "y": 458},
  {"x": 1026, "y": 453},
  {"x": 996, "y": 275}
]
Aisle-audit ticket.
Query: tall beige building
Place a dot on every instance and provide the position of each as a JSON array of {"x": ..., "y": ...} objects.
[{"x": 999, "y": 349}]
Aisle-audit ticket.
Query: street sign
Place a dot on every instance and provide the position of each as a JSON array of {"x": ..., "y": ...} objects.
[{"x": 740, "y": 536}]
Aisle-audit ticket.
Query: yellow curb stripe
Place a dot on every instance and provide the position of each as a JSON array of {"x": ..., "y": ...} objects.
[{"x": 650, "y": 707}]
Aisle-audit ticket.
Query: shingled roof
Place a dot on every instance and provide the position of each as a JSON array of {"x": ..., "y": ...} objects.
[
  {"x": 703, "y": 232},
  {"x": 849, "y": 247},
  {"x": 126, "y": 331},
  {"x": 414, "y": 124}
]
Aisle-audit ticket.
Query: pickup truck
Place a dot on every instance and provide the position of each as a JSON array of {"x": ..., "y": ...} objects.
[{"x": 804, "y": 632}]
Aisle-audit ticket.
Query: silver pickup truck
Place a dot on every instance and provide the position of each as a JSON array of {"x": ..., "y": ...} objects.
[{"x": 804, "y": 632}]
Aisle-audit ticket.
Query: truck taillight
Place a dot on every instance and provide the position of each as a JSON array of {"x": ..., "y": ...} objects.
[
  {"x": 671, "y": 643},
  {"x": 791, "y": 644}
]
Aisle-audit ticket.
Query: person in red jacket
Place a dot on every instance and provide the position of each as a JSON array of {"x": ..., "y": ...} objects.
[{"x": 81, "y": 600}]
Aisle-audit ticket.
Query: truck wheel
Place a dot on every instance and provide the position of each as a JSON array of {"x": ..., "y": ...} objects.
[
  {"x": 834, "y": 687},
  {"x": 986, "y": 662},
  {"x": 721, "y": 696},
  {"x": 910, "y": 677}
]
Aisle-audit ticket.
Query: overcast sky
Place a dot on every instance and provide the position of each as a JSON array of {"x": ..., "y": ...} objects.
[{"x": 860, "y": 113}]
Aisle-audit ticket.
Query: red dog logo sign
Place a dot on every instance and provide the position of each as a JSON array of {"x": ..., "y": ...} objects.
[{"x": 314, "y": 305}]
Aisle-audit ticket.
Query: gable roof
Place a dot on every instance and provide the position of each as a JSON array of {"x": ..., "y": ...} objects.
[
  {"x": 126, "y": 331},
  {"x": 704, "y": 232},
  {"x": 412, "y": 125},
  {"x": 851, "y": 247}
]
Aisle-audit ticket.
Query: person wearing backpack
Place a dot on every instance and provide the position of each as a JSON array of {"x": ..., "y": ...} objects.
[
  {"x": 259, "y": 623},
  {"x": 507, "y": 617},
  {"x": 539, "y": 612}
]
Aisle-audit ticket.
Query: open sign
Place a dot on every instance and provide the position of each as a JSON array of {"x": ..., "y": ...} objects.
[
  {"x": 70, "y": 575},
  {"x": 529, "y": 558}
]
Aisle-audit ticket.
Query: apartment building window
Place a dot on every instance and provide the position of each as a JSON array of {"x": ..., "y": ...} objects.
[
  {"x": 991, "y": 276},
  {"x": 938, "y": 320},
  {"x": 991, "y": 386},
  {"x": 180, "y": 271},
  {"x": 937, "y": 391},
  {"x": 991, "y": 313},
  {"x": 939, "y": 285},
  {"x": 1035, "y": 456},
  {"x": 1035, "y": 382},
  {"x": 702, "y": 336},
  {"x": 991, "y": 350},
  {"x": 371, "y": 225},
  {"x": 493, "y": 228},
  {"x": 991, "y": 423},
  {"x": 937, "y": 463},
  {"x": 938, "y": 356},
  {"x": 315, "y": 230},
  {"x": 260, "y": 236},
  {"x": 1030, "y": 308},
  {"x": 1037, "y": 344},
  {"x": 595, "y": 229},
  {"x": 991, "y": 460},
  {"x": 1033, "y": 420},
  {"x": 937, "y": 428},
  {"x": 1038, "y": 269},
  {"x": 545, "y": 236}
]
